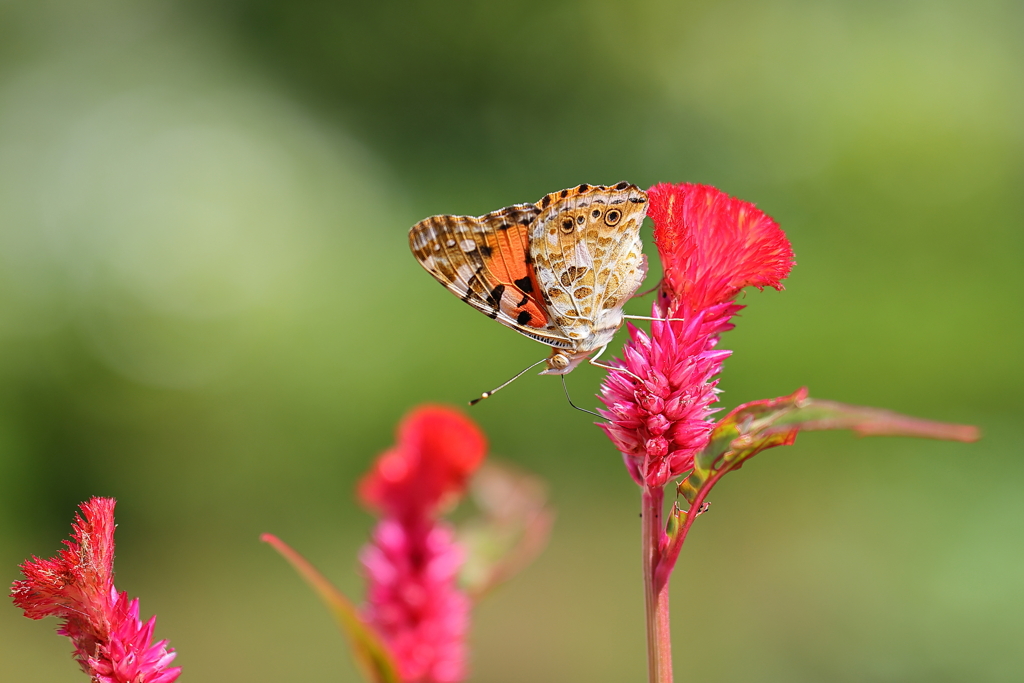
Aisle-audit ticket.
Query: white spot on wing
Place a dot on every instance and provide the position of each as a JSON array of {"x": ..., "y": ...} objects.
[
  {"x": 582, "y": 255},
  {"x": 467, "y": 245}
]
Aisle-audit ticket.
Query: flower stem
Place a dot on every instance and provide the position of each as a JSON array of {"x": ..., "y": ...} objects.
[
  {"x": 672, "y": 545},
  {"x": 659, "y": 641}
]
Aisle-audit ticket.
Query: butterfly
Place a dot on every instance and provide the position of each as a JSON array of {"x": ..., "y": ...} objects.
[{"x": 558, "y": 271}]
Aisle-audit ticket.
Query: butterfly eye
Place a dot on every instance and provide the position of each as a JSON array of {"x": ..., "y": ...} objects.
[
  {"x": 612, "y": 217},
  {"x": 567, "y": 225},
  {"x": 596, "y": 213},
  {"x": 581, "y": 219}
]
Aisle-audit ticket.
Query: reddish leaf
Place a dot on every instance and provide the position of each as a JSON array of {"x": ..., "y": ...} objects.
[{"x": 758, "y": 425}]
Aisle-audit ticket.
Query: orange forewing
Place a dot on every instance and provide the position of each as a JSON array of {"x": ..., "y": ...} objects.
[{"x": 509, "y": 264}]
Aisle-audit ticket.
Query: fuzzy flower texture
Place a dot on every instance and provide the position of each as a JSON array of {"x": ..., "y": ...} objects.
[
  {"x": 711, "y": 246},
  {"x": 112, "y": 644},
  {"x": 413, "y": 560}
]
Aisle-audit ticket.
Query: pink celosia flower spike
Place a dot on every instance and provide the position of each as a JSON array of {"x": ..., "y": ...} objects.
[
  {"x": 711, "y": 246},
  {"x": 112, "y": 645},
  {"x": 413, "y": 560}
]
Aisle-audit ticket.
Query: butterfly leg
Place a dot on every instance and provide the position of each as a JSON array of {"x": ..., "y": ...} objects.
[
  {"x": 593, "y": 361},
  {"x": 660, "y": 320}
]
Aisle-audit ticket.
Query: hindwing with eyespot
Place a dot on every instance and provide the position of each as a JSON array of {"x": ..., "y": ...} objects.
[{"x": 588, "y": 253}]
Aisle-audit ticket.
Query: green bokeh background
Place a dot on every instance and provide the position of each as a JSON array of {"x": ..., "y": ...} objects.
[{"x": 208, "y": 311}]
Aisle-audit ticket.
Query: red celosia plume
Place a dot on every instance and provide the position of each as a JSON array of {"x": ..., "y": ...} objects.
[
  {"x": 711, "y": 246},
  {"x": 75, "y": 584},
  {"x": 112, "y": 644},
  {"x": 438, "y": 448}
]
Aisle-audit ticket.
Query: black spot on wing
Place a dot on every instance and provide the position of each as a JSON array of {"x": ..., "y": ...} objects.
[
  {"x": 525, "y": 284},
  {"x": 622, "y": 186},
  {"x": 546, "y": 202},
  {"x": 496, "y": 294},
  {"x": 485, "y": 250},
  {"x": 524, "y": 318},
  {"x": 473, "y": 285}
]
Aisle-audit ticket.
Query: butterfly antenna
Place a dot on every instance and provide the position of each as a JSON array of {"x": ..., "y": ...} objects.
[
  {"x": 582, "y": 410},
  {"x": 488, "y": 394}
]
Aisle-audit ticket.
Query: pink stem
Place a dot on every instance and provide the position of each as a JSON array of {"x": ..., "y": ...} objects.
[{"x": 659, "y": 641}]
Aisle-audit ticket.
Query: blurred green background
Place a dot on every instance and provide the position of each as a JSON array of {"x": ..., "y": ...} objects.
[{"x": 208, "y": 311}]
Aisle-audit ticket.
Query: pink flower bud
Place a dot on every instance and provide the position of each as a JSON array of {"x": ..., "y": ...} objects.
[
  {"x": 657, "y": 447},
  {"x": 658, "y": 424},
  {"x": 649, "y": 402}
]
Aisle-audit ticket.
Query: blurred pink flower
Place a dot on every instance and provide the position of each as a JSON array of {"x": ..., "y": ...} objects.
[
  {"x": 711, "y": 246},
  {"x": 413, "y": 560},
  {"x": 111, "y": 643}
]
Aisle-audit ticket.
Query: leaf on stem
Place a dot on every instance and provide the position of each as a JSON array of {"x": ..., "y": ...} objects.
[
  {"x": 371, "y": 654},
  {"x": 755, "y": 426}
]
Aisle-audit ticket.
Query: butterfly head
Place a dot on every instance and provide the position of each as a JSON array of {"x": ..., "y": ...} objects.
[{"x": 563, "y": 361}]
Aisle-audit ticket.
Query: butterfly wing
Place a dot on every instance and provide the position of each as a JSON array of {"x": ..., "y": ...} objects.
[
  {"x": 485, "y": 261},
  {"x": 588, "y": 256}
]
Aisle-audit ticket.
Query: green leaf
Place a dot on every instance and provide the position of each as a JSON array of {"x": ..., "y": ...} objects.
[
  {"x": 755, "y": 426},
  {"x": 371, "y": 654}
]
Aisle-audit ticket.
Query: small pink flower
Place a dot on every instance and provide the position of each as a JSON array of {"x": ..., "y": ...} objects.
[
  {"x": 111, "y": 643},
  {"x": 412, "y": 562},
  {"x": 711, "y": 246}
]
